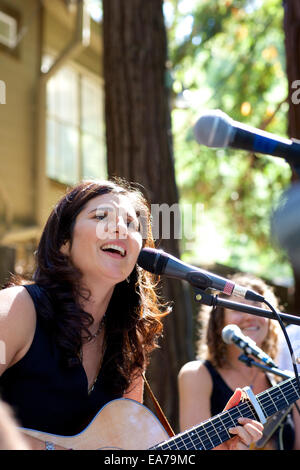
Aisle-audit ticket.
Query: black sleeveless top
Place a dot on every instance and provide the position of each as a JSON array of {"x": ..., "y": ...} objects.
[
  {"x": 284, "y": 436},
  {"x": 46, "y": 394}
]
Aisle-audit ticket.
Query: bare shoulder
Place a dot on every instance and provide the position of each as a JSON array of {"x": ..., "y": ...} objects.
[
  {"x": 15, "y": 302},
  {"x": 17, "y": 323},
  {"x": 193, "y": 368},
  {"x": 194, "y": 371}
]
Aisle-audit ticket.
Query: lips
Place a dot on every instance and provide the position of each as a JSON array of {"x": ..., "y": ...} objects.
[
  {"x": 114, "y": 249},
  {"x": 249, "y": 328}
]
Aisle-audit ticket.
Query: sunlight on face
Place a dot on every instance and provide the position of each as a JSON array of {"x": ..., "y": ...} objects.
[
  {"x": 114, "y": 217},
  {"x": 106, "y": 239},
  {"x": 253, "y": 326}
]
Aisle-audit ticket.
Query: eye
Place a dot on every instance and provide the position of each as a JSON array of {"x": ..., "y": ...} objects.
[
  {"x": 101, "y": 215},
  {"x": 133, "y": 223}
]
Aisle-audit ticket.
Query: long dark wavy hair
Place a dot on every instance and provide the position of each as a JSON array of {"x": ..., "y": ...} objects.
[{"x": 133, "y": 318}]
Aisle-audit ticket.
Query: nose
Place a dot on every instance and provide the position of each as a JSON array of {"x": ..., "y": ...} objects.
[{"x": 121, "y": 227}]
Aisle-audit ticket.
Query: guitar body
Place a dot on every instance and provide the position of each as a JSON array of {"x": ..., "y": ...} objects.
[
  {"x": 122, "y": 424},
  {"x": 126, "y": 424}
]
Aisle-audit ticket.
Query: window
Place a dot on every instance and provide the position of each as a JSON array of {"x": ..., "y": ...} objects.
[
  {"x": 8, "y": 30},
  {"x": 75, "y": 127}
]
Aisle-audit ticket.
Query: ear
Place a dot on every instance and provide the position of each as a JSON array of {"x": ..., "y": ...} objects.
[{"x": 65, "y": 248}]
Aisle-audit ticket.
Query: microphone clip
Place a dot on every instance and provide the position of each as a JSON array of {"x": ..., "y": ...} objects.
[{"x": 204, "y": 297}]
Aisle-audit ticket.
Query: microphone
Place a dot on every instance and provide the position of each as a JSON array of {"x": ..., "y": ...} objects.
[
  {"x": 232, "y": 334},
  {"x": 160, "y": 262},
  {"x": 217, "y": 129}
]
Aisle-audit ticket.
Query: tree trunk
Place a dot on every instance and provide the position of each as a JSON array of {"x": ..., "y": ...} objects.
[
  {"x": 292, "y": 47},
  {"x": 139, "y": 147},
  {"x": 7, "y": 263}
]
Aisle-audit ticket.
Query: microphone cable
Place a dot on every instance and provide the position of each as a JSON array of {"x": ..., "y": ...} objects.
[{"x": 277, "y": 317}]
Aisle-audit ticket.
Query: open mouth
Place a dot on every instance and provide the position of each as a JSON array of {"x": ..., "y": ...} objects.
[
  {"x": 250, "y": 328},
  {"x": 114, "y": 249}
]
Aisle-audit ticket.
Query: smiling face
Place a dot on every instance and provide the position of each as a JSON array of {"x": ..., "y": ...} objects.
[
  {"x": 106, "y": 240},
  {"x": 253, "y": 326}
]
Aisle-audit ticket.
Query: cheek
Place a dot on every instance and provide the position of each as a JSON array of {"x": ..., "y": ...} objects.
[
  {"x": 265, "y": 326},
  {"x": 135, "y": 248},
  {"x": 83, "y": 231},
  {"x": 137, "y": 242},
  {"x": 84, "y": 238},
  {"x": 231, "y": 317}
]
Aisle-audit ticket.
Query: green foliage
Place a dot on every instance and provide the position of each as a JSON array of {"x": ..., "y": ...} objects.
[{"x": 229, "y": 55}]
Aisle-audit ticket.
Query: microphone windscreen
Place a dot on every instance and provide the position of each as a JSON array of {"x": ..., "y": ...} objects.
[
  {"x": 228, "y": 332},
  {"x": 146, "y": 259},
  {"x": 214, "y": 129},
  {"x": 152, "y": 260}
]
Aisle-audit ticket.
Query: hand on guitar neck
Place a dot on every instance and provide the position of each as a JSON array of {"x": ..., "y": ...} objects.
[{"x": 246, "y": 434}]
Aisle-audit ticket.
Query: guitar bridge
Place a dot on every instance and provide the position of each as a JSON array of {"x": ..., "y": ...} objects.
[{"x": 248, "y": 391}]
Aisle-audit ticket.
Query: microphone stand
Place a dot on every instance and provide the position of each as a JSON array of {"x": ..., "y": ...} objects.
[
  {"x": 273, "y": 370},
  {"x": 207, "y": 299}
]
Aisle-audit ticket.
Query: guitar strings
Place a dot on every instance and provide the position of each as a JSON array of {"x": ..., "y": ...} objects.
[
  {"x": 204, "y": 436},
  {"x": 207, "y": 432}
]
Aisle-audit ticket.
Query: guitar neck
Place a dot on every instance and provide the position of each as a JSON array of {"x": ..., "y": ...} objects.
[{"x": 214, "y": 431}]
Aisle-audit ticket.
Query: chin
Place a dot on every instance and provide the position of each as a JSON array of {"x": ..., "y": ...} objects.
[{"x": 115, "y": 279}]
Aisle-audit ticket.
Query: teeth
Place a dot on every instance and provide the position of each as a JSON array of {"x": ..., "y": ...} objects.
[{"x": 114, "y": 247}]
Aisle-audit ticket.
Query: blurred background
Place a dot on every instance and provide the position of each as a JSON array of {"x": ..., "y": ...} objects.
[{"x": 94, "y": 89}]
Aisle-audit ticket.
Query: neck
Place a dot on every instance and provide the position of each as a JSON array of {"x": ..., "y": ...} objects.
[
  {"x": 232, "y": 356},
  {"x": 248, "y": 374},
  {"x": 232, "y": 359},
  {"x": 97, "y": 303}
]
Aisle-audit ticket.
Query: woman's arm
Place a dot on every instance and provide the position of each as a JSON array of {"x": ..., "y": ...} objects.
[
  {"x": 17, "y": 325},
  {"x": 195, "y": 388},
  {"x": 10, "y": 436}
]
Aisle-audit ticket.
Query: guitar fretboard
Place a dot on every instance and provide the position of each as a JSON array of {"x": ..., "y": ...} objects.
[
  {"x": 279, "y": 397},
  {"x": 214, "y": 431}
]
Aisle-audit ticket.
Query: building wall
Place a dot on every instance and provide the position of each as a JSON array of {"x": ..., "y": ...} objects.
[
  {"x": 26, "y": 194},
  {"x": 17, "y": 133}
]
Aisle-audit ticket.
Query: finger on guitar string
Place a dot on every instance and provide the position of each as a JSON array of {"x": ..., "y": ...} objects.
[{"x": 250, "y": 431}]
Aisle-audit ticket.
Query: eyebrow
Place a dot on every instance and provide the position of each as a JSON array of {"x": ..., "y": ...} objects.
[
  {"x": 102, "y": 208},
  {"x": 109, "y": 208}
]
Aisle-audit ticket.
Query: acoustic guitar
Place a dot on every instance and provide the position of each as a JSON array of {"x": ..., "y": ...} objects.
[{"x": 125, "y": 424}]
